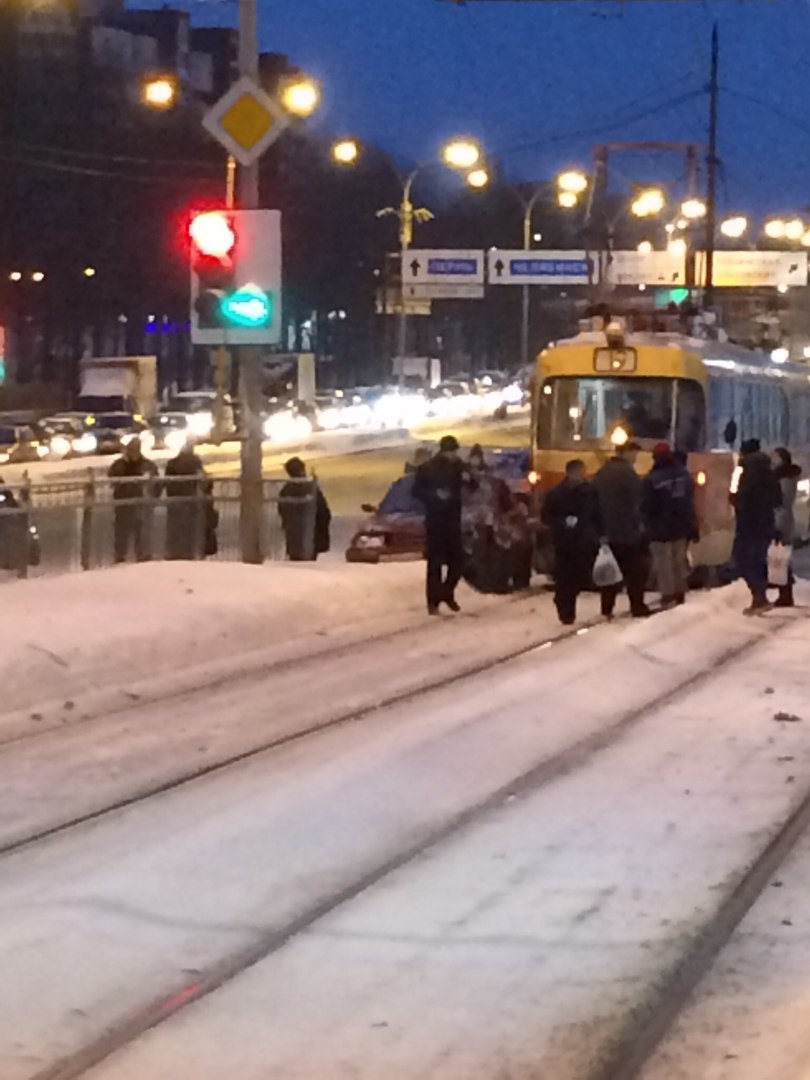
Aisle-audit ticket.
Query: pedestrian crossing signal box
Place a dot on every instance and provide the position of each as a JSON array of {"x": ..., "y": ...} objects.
[{"x": 235, "y": 265}]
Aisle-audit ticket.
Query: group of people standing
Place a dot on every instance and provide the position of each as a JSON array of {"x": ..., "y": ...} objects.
[
  {"x": 644, "y": 521},
  {"x": 649, "y": 522},
  {"x": 191, "y": 516}
]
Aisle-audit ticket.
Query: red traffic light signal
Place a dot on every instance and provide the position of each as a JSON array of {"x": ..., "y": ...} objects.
[{"x": 212, "y": 234}]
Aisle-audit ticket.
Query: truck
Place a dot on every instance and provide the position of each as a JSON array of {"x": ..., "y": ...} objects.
[{"x": 118, "y": 384}]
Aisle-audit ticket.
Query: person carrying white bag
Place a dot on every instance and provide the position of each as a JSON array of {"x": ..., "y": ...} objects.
[
  {"x": 619, "y": 490},
  {"x": 788, "y": 476}
]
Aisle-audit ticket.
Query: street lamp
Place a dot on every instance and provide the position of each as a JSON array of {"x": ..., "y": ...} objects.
[
  {"x": 15, "y": 275},
  {"x": 300, "y": 95},
  {"x": 693, "y": 209},
  {"x": 346, "y": 151},
  {"x": 794, "y": 229},
  {"x": 648, "y": 203},
  {"x": 159, "y": 92},
  {"x": 461, "y": 153},
  {"x": 38, "y": 276},
  {"x": 89, "y": 271},
  {"x": 677, "y": 246},
  {"x": 734, "y": 227},
  {"x": 567, "y": 200},
  {"x": 775, "y": 229},
  {"x": 478, "y": 178},
  {"x": 644, "y": 248},
  {"x": 573, "y": 181}
]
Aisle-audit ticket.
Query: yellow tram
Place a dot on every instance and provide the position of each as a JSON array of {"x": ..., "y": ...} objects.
[{"x": 594, "y": 391}]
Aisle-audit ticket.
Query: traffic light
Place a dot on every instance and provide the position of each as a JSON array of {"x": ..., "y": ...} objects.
[{"x": 235, "y": 277}]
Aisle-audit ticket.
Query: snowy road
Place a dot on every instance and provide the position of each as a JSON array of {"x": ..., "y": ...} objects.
[{"x": 484, "y": 879}]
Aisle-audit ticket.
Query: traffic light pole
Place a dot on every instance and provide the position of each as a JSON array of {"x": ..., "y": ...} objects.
[{"x": 251, "y": 503}]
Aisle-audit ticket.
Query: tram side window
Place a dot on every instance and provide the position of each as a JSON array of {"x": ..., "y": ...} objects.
[
  {"x": 721, "y": 411},
  {"x": 690, "y": 418},
  {"x": 799, "y": 420}
]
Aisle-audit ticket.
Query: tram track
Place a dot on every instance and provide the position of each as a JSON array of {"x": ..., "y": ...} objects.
[{"x": 541, "y": 773}]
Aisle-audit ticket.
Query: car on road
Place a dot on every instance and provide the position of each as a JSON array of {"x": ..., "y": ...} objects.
[
  {"x": 171, "y": 431},
  {"x": 20, "y": 445},
  {"x": 395, "y": 530},
  {"x": 114, "y": 430},
  {"x": 67, "y": 437}
]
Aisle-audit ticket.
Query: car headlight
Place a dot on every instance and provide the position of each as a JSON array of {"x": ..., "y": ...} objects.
[
  {"x": 366, "y": 541},
  {"x": 175, "y": 440},
  {"x": 512, "y": 395},
  {"x": 86, "y": 444},
  {"x": 4, "y": 457},
  {"x": 61, "y": 445},
  {"x": 329, "y": 418},
  {"x": 147, "y": 440},
  {"x": 42, "y": 451},
  {"x": 201, "y": 424}
]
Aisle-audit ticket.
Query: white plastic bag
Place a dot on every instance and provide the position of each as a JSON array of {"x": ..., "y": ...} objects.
[
  {"x": 606, "y": 571},
  {"x": 779, "y": 556}
]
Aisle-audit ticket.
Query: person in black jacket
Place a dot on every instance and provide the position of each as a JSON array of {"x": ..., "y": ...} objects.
[
  {"x": 184, "y": 478},
  {"x": 305, "y": 514},
  {"x": 756, "y": 501},
  {"x": 571, "y": 511},
  {"x": 438, "y": 486},
  {"x": 619, "y": 489},
  {"x": 668, "y": 509},
  {"x": 134, "y": 482}
]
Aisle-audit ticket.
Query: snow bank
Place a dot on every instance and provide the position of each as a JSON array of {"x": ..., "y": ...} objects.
[{"x": 112, "y": 629}]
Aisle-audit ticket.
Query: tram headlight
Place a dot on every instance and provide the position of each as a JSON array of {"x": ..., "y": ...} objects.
[{"x": 619, "y": 436}]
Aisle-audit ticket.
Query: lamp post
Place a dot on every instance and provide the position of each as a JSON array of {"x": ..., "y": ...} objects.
[{"x": 463, "y": 155}]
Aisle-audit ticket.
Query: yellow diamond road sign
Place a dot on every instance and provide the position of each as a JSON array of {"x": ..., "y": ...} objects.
[{"x": 246, "y": 121}]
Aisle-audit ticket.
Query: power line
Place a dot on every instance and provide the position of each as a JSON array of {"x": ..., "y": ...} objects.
[
  {"x": 122, "y": 159},
  {"x": 81, "y": 170}
]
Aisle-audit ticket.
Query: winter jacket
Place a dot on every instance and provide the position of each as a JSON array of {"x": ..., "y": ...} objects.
[
  {"x": 572, "y": 513},
  {"x": 306, "y": 528},
  {"x": 757, "y": 499},
  {"x": 438, "y": 486},
  {"x": 668, "y": 503},
  {"x": 788, "y": 477},
  {"x": 131, "y": 478},
  {"x": 619, "y": 489}
]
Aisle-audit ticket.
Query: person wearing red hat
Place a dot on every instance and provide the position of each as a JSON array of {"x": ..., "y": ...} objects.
[{"x": 668, "y": 507}]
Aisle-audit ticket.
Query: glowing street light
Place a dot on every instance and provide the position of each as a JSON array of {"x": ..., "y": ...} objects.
[
  {"x": 159, "y": 92},
  {"x": 346, "y": 151},
  {"x": 794, "y": 229},
  {"x": 38, "y": 276},
  {"x": 693, "y": 209},
  {"x": 89, "y": 271},
  {"x": 567, "y": 199},
  {"x": 806, "y": 239},
  {"x": 644, "y": 248},
  {"x": 734, "y": 227},
  {"x": 573, "y": 181},
  {"x": 478, "y": 178},
  {"x": 648, "y": 203},
  {"x": 677, "y": 246},
  {"x": 15, "y": 275},
  {"x": 775, "y": 229},
  {"x": 300, "y": 96},
  {"x": 461, "y": 153}
]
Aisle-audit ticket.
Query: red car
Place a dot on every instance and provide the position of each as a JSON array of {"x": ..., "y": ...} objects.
[{"x": 395, "y": 530}]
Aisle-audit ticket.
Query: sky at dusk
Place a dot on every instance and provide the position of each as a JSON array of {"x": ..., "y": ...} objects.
[{"x": 540, "y": 83}]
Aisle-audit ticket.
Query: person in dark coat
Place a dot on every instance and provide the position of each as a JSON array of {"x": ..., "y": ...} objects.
[
  {"x": 668, "y": 509},
  {"x": 787, "y": 473},
  {"x": 571, "y": 511},
  {"x": 133, "y": 477},
  {"x": 619, "y": 491},
  {"x": 438, "y": 486},
  {"x": 756, "y": 501},
  {"x": 210, "y": 520},
  {"x": 305, "y": 514},
  {"x": 185, "y": 514}
]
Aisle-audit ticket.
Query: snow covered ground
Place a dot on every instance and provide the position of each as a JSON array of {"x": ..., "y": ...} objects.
[{"x": 527, "y": 847}]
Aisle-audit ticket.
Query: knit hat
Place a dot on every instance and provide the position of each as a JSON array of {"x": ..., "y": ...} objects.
[
  {"x": 750, "y": 446},
  {"x": 661, "y": 450},
  {"x": 448, "y": 444}
]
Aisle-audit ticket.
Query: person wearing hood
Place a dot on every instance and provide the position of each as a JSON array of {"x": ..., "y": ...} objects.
[
  {"x": 787, "y": 473},
  {"x": 668, "y": 507},
  {"x": 571, "y": 512},
  {"x": 756, "y": 501},
  {"x": 305, "y": 514}
]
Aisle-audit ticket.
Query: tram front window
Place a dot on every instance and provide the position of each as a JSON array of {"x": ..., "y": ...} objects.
[{"x": 579, "y": 411}]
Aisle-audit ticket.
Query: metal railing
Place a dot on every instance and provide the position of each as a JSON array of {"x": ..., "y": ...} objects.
[{"x": 51, "y": 528}]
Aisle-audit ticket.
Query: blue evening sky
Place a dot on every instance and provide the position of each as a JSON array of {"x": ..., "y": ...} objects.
[{"x": 540, "y": 83}]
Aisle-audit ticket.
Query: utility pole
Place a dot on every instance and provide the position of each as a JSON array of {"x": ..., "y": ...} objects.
[
  {"x": 406, "y": 215},
  {"x": 711, "y": 168},
  {"x": 251, "y": 501},
  {"x": 527, "y": 243}
]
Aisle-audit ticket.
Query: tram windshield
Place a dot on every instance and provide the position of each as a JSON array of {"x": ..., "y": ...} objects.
[{"x": 574, "y": 412}]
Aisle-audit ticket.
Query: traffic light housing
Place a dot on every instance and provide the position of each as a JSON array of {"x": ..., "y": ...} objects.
[{"x": 235, "y": 277}]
